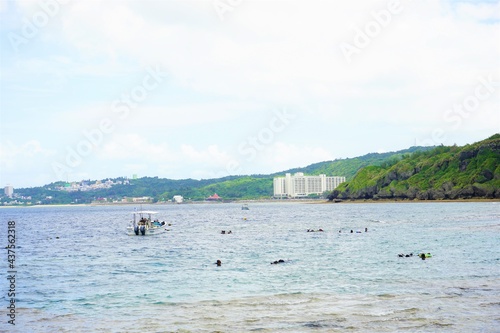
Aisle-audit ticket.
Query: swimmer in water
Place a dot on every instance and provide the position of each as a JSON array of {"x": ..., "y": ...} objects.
[{"x": 277, "y": 262}]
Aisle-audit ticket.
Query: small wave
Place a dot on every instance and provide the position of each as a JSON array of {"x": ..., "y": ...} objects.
[
  {"x": 493, "y": 304},
  {"x": 322, "y": 324},
  {"x": 377, "y": 221}
]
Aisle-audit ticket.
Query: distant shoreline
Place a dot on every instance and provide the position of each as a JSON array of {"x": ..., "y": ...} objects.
[
  {"x": 412, "y": 201},
  {"x": 291, "y": 201}
]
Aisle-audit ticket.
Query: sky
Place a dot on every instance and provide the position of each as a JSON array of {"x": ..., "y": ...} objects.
[{"x": 206, "y": 89}]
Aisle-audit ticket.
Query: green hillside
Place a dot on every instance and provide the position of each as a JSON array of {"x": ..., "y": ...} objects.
[
  {"x": 244, "y": 187},
  {"x": 229, "y": 188},
  {"x": 349, "y": 167},
  {"x": 445, "y": 172}
]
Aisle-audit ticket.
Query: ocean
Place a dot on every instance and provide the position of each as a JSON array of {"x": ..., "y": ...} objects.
[{"x": 75, "y": 270}]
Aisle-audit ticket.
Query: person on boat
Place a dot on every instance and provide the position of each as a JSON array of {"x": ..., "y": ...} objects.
[{"x": 422, "y": 255}]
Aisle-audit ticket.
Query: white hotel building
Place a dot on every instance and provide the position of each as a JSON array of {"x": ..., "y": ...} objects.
[
  {"x": 9, "y": 190},
  {"x": 298, "y": 185}
]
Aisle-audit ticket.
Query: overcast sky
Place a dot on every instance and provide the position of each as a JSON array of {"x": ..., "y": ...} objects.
[{"x": 204, "y": 89}]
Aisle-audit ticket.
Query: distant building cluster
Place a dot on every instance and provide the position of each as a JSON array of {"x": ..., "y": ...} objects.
[
  {"x": 124, "y": 200},
  {"x": 9, "y": 190},
  {"x": 16, "y": 199},
  {"x": 178, "y": 199},
  {"x": 299, "y": 186},
  {"x": 88, "y": 186}
]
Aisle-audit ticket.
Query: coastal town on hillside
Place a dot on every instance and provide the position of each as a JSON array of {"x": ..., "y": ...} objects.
[
  {"x": 87, "y": 185},
  {"x": 294, "y": 186}
]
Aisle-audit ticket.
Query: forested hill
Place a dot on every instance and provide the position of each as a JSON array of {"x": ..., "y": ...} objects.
[
  {"x": 350, "y": 166},
  {"x": 445, "y": 172},
  {"x": 230, "y": 187}
]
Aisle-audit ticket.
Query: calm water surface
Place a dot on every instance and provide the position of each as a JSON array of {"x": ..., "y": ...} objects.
[{"x": 77, "y": 270}]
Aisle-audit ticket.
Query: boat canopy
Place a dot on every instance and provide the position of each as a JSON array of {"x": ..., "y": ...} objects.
[{"x": 144, "y": 212}]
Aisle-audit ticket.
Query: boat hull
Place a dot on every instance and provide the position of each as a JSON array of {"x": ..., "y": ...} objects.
[{"x": 147, "y": 232}]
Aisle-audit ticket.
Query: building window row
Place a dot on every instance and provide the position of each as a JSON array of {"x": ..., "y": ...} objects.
[{"x": 298, "y": 185}]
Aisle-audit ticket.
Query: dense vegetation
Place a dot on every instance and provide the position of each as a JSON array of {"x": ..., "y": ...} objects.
[
  {"x": 349, "y": 167},
  {"x": 445, "y": 172},
  {"x": 229, "y": 188}
]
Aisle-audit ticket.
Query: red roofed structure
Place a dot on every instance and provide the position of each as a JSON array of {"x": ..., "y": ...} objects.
[{"x": 214, "y": 197}]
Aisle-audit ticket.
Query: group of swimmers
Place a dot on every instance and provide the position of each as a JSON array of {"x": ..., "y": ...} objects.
[
  {"x": 420, "y": 255},
  {"x": 219, "y": 263},
  {"x": 340, "y": 231},
  {"x": 278, "y": 262},
  {"x": 357, "y": 231},
  {"x": 423, "y": 256}
]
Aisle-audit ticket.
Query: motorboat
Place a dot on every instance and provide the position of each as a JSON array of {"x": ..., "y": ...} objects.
[
  {"x": 245, "y": 207},
  {"x": 144, "y": 223}
]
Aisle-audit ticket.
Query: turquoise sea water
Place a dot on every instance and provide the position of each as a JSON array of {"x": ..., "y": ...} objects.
[{"x": 78, "y": 271}]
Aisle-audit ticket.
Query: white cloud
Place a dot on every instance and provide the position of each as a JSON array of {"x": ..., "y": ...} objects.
[
  {"x": 482, "y": 11},
  {"x": 24, "y": 163},
  {"x": 278, "y": 60},
  {"x": 136, "y": 147},
  {"x": 280, "y": 156},
  {"x": 10, "y": 151},
  {"x": 211, "y": 156},
  {"x": 226, "y": 77},
  {"x": 138, "y": 155}
]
